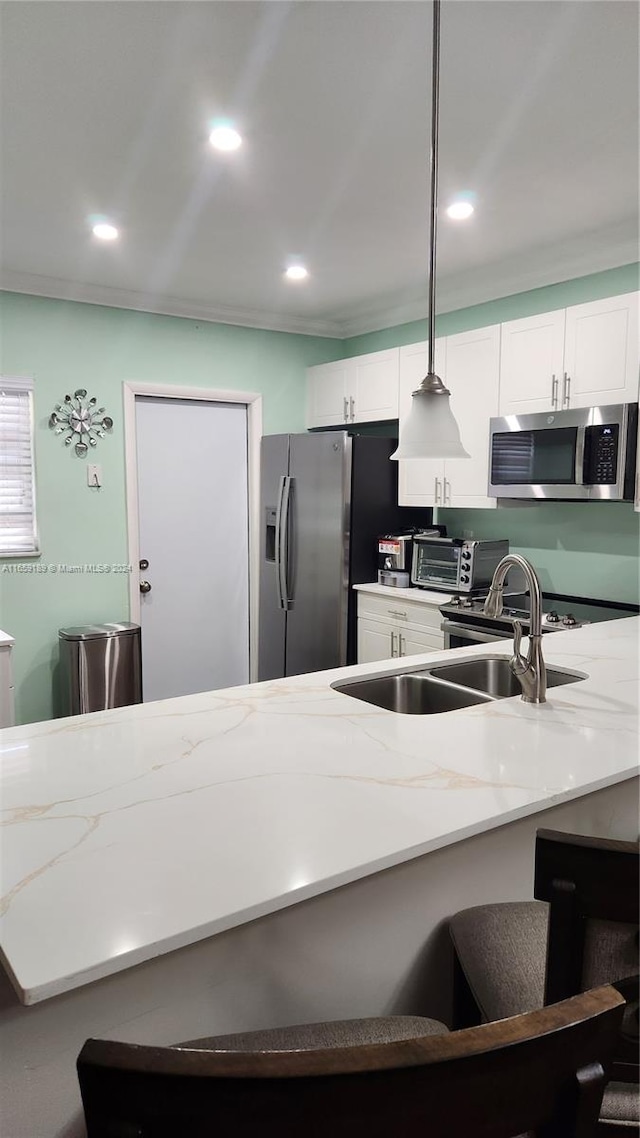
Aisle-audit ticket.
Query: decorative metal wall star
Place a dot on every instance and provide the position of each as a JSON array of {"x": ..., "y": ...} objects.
[{"x": 82, "y": 420}]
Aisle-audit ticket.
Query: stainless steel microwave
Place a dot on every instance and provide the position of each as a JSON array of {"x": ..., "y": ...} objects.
[{"x": 586, "y": 453}]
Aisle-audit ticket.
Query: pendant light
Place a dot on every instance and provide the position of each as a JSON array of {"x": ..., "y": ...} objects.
[{"x": 431, "y": 431}]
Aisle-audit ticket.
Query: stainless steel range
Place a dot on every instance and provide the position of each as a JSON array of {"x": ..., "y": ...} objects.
[{"x": 465, "y": 622}]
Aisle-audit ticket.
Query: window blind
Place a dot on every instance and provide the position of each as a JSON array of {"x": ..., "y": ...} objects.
[{"x": 17, "y": 491}]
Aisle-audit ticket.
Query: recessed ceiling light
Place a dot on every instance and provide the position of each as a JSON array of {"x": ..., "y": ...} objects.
[
  {"x": 460, "y": 210},
  {"x": 296, "y": 273},
  {"x": 225, "y": 137},
  {"x": 105, "y": 231}
]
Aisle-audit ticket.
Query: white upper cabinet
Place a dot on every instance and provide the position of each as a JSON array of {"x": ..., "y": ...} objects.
[
  {"x": 601, "y": 352},
  {"x": 420, "y": 481},
  {"x": 473, "y": 374},
  {"x": 531, "y": 367},
  {"x": 327, "y": 401},
  {"x": 359, "y": 390},
  {"x": 576, "y": 357},
  {"x": 469, "y": 364},
  {"x": 374, "y": 382}
]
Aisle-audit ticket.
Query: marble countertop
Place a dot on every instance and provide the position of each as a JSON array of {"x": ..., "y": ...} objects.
[
  {"x": 132, "y": 832},
  {"x": 425, "y": 596}
]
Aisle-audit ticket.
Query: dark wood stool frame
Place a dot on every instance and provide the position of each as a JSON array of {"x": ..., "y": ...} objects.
[
  {"x": 588, "y": 879},
  {"x": 544, "y": 1072}
]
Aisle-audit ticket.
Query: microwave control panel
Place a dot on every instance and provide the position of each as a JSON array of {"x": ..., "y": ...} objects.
[{"x": 601, "y": 455}]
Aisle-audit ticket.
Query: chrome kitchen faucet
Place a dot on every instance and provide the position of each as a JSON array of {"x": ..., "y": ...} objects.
[{"x": 530, "y": 670}]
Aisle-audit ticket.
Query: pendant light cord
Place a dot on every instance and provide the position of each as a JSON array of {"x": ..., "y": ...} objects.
[{"x": 435, "y": 110}]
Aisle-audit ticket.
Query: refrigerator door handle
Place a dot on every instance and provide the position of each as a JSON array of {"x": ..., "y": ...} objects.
[
  {"x": 278, "y": 539},
  {"x": 283, "y": 543}
]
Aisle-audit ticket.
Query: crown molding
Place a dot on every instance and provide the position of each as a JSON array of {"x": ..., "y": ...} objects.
[
  {"x": 537, "y": 268},
  {"x": 547, "y": 265},
  {"x": 59, "y": 289}
]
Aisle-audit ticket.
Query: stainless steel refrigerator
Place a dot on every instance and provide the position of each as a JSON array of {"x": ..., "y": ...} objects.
[{"x": 325, "y": 498}]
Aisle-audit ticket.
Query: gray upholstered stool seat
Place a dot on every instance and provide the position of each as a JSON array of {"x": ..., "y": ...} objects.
[
  {"x": 502, "y": 951},
  {"x": 314, "y": 1036}
]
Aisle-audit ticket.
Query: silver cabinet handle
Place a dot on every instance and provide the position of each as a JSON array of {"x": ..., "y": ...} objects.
[
  {"x": 393, "y": 645},
  {"x": 447, "y": 493},
  {"x": 345, "y": 409},
  {"x": 566, "y": 390},
  {"x": 352, "y": 408},
  {"x": 437, "y": 491},
  {"x": 397, "y": 612},
  {"x": 401, "y": 640},
  {"x": 554, "y": 392}
]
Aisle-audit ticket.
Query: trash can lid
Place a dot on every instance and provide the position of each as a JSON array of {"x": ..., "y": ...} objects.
[{"x": 93, "y": 631}]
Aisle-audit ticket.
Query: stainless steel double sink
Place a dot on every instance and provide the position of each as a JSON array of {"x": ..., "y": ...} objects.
[{"x": 436, "y": 688}]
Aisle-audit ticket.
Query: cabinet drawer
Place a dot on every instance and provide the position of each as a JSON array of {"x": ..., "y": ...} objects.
[
  {"x": 399, "y": 611},
  {"x": 412, "y": 643}
]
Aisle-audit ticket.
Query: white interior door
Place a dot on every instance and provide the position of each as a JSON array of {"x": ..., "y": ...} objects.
[{"x": 193, "y": 531}]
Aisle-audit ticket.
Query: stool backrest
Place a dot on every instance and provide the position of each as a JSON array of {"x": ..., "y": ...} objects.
[
  {"x": 542, "y": 1072},
  {"x": 593, "y": 889}
]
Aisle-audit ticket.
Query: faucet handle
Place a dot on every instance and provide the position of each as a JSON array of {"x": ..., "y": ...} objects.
[{"x": 518, "y": 662}]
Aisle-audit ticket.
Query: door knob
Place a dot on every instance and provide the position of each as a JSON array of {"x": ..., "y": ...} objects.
[{"x": 145, "y": 587}]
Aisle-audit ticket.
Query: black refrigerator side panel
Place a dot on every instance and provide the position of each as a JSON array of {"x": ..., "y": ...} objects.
[
  {"x": 274, "y": 464},
  {"x": 374, "y": 510}
]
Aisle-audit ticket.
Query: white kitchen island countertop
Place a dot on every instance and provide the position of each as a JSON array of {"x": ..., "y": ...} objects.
[{"x": 130, "y": 833}]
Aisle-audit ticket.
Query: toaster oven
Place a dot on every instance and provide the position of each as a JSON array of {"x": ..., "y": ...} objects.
[{"x": 453, "y": 564}]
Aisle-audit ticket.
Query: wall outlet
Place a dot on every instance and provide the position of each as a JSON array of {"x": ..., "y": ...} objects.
[{"x": 94, "y": 474}]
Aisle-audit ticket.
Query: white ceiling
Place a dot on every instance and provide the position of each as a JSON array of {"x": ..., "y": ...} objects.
[{"x": 106, "y": 108}]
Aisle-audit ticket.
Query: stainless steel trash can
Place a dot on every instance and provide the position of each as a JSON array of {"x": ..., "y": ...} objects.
[{"x": 101, "y": 667}]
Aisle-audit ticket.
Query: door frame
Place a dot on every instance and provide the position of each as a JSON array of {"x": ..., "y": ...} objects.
[{"x": 252, "y": 400}]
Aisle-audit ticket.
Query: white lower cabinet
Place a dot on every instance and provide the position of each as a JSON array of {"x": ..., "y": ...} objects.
[
  {"x": 390, "y": 629},
  {"x": 7, "y": 713}
]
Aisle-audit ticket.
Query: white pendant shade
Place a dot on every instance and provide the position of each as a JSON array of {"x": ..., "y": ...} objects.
[{"x": 430, "y": 430}]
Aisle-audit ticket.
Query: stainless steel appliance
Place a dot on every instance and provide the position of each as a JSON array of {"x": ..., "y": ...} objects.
[
  {"x": 586, "y": 453},
  {"x": 465, "y": 622},
  {"x": 395, "y": 554},
  {"x": 325, "y": 498},
  {"x": 454, "y": 564},
  {"x": 101, "y": 667}
]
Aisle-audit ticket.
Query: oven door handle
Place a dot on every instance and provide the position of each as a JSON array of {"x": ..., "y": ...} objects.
[{"x": 473, "y": 633}]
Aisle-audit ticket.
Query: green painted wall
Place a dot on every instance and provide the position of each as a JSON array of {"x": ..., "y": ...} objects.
[
  {"x": 594, "y": 287},
  {"x": 66, "y": 345},
  {"x": 589, "y": 549}
]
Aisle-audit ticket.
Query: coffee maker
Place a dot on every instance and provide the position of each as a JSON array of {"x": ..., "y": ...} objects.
[{"x": 395, "y": 552}]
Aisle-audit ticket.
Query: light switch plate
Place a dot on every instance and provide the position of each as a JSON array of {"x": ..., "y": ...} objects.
[{"x": 94, "y": 474}]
